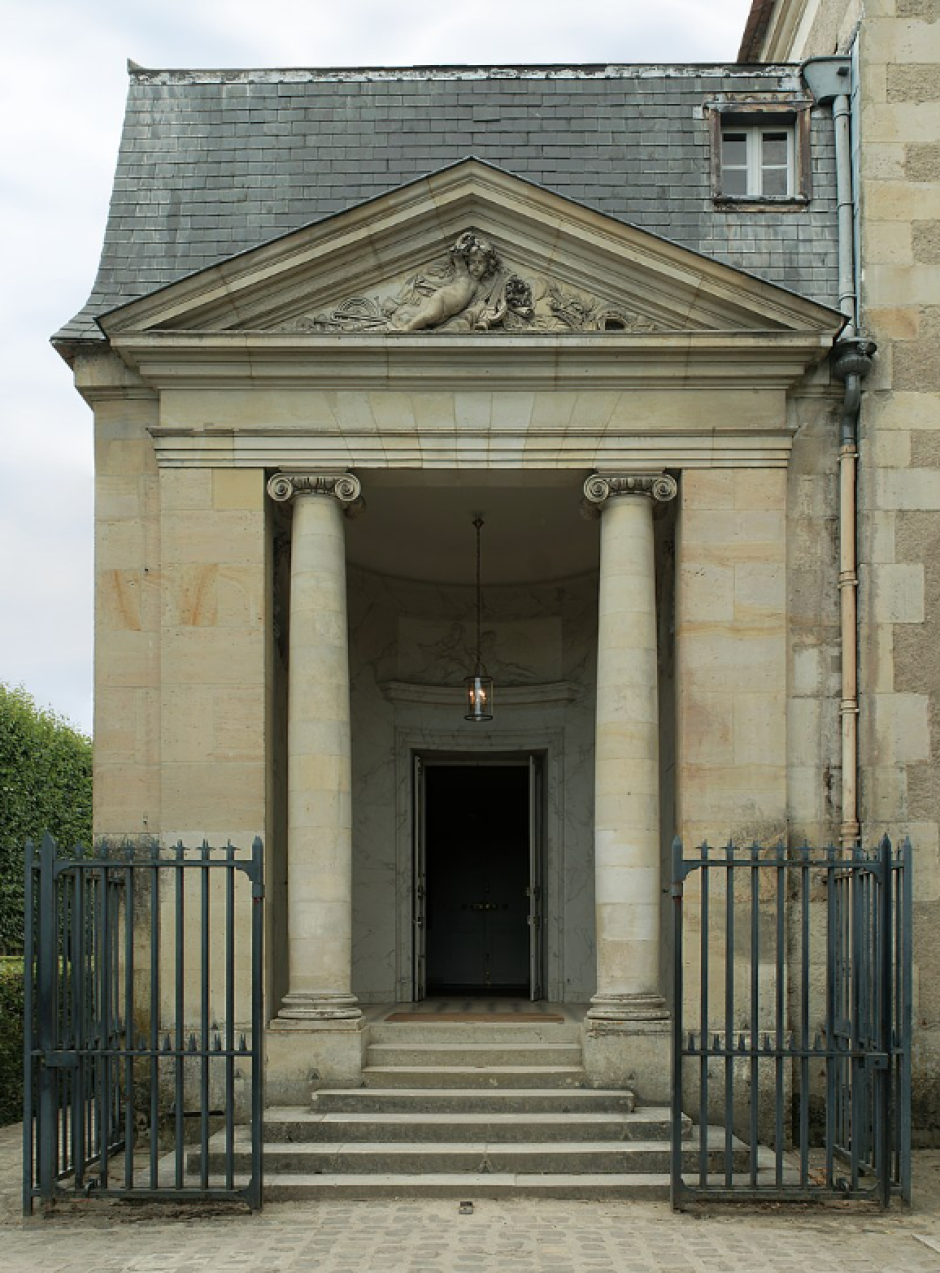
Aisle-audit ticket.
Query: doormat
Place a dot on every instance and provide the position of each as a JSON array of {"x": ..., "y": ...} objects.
[{"x": 491, "y": 1018}]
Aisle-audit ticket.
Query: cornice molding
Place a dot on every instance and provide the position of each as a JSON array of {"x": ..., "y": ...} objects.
[{"x": 686, "y": 360}]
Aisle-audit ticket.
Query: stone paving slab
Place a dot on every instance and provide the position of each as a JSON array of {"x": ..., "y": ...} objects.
[{"x": 525, "y": 1236}]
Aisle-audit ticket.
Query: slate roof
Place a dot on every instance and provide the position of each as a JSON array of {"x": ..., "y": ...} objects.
[{"x": 216, "y": 162}]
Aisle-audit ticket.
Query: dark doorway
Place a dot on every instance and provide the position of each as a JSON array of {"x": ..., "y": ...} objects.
[{"x": 478, "y": 879}]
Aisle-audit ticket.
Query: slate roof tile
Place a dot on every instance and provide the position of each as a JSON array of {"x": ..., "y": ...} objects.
[{"x": 215, "y": 162}]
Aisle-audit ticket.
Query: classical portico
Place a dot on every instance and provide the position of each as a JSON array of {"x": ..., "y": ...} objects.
[{"x": 467, "y": 345}]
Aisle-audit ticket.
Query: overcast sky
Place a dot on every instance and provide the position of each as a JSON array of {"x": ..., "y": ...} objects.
[{"x": 62, "y": 92}]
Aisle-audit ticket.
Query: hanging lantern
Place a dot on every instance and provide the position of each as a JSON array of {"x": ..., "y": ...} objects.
[{"x": 479, "y": 686}]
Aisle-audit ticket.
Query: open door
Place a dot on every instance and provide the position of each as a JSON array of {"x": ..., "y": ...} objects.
[
  {"x": 478, "y": 891},
  {"x": 419, "y": 913},
  {"x": 535, "y": 879}
]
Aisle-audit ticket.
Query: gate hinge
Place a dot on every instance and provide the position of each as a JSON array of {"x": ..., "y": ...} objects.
[{"x": 257, "y": 892}]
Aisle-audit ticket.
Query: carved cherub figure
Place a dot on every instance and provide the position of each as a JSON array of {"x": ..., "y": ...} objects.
[{"x": 474, "y": 260}]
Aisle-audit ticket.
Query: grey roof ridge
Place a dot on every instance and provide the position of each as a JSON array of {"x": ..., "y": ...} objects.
[{"x": 449, "y": 71}]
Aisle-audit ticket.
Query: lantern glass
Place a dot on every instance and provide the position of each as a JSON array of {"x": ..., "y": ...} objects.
[{"x": 479, "y": 698}]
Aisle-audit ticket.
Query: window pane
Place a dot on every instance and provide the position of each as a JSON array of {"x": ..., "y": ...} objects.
[
  {"x": 774, "y": 149},
  {"x": 774, "y": 182},
  {"x": 734, "y": 150},
  {"x": 734, "y": 181}
]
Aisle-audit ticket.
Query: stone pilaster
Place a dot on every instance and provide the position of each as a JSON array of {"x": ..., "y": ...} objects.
[
  {"x": 626, "y": 806},
  {"x": 319, "y": 837}
]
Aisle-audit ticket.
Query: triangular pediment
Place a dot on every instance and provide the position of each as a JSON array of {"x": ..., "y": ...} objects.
[{"x": 470, "y": 250}]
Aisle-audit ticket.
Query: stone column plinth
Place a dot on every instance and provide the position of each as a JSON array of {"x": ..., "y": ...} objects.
[
  {"x": 319, "y": 814},
  {"x": 626, "y": 802}
]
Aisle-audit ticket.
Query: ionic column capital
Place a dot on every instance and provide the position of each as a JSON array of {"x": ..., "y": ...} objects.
[
  {"x": 345, "y": 488},
  {"x": 601, "y": 487}
]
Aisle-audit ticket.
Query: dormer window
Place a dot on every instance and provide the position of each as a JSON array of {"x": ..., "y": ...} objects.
[
  {"x": 760, "y": 153},
  {"x": 757, "y": 161}
]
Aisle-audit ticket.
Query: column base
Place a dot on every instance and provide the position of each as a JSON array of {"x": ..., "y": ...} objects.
[
  {"x": 629, "y": 1052},
  {"x": 298, "y": 1006},
  {"x": 642, "y": 1007}
]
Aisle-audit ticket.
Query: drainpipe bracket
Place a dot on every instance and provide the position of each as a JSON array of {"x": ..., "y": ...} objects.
[
  {"x": 827, "y": 77},
  {"x": 853, "y": 357}
]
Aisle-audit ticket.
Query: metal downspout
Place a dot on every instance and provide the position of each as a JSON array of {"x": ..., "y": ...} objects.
[{"x": 829, "y": 79}]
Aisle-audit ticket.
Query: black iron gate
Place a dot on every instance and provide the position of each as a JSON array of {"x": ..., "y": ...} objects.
[
  {"x": 143, "y": 1023},
  {"x": 792, "y": 1023}
]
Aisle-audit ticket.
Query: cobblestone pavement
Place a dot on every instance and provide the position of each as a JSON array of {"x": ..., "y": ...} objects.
[{"x": 532, "y": 1236}]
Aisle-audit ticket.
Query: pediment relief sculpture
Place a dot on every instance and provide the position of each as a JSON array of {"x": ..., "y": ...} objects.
[{"x": 472, "y": 290}]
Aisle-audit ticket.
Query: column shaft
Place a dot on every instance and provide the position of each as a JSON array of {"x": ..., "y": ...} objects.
[
  {"x": 626, "y": 807},
  {"x": 319, "y": 837}
]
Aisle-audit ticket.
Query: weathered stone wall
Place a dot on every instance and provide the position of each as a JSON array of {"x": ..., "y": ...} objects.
[{"x": 898, "y": 118}]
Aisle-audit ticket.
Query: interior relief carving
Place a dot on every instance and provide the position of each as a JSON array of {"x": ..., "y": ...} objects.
[{"x": 472, "y": 289}]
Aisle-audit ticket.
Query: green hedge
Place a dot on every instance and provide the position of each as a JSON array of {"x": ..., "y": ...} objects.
[
  {"x": 45, "y": 785},
  {"x": 11, "y": 1041}
]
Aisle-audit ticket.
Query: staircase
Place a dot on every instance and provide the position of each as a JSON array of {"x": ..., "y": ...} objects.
[{"x": 469, "y": 1111}]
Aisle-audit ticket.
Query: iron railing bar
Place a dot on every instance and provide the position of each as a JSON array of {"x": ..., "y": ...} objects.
[
  {"x": 155, "y": 919},
  {"x": 204, "y": 1022},
  {"x": 29, "y": 1024},
  {"x": 229, "y": 1021},
  {"x": 729, "y": 1008},
  {"x": 832, "y": 953},
  {"x": 804, "y": 870},
  {"x": 704, "y": 948},
  {"x": 755, "y": 1005},
  {"x": 886, "y": 950},
  {"x": 118, "y": 1129},
  {"x": 80, "y": 1078},
  {"x": 180, "y": 1008},
  {"x": 104, "y": 1027},
  {"x": 256, "y": 1185},
  {"x": 779, "y": 1021},
  {"x": 63, "y": 997},
  {"x": 905, "y": 958},
  {"x": 130, "y": 1113},
  {"x": 46, "y": 1141},
  {"x": 675, "y": 1129},
  {"x": 855, "y": 1008}
]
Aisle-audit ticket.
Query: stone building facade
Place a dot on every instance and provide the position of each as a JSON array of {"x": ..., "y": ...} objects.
[
  {"x": 340, "y": 316},
  {"x": 894, "y": 47}
]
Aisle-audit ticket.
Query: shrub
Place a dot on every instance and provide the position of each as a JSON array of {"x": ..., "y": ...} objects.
[
  {"x": 45, "y": 785},
  {"x": 11, "y": 1040}
]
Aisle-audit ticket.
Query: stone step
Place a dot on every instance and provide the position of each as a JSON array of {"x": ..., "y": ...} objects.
[
  {"x": 477, "y": 1032},
  {"x": 417, "y": 1102},
  {"x": 495, "y": 1076},
  {"x": 296, "y": 1126},
  {"x": 547, "y": 1158},
  {"x": 290, "y": 1187},
  {"x": 490, "y": 1055}
]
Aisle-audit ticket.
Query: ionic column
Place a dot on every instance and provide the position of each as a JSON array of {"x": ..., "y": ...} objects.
[
  {"x": 319, "y": 813},
  {"x": 626, "y": 800}
]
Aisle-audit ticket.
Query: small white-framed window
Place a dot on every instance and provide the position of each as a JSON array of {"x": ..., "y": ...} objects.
[{"x": 757, "y": 160}]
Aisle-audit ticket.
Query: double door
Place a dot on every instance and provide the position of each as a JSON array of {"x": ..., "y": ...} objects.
[{"x": 478, "y": 877}]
